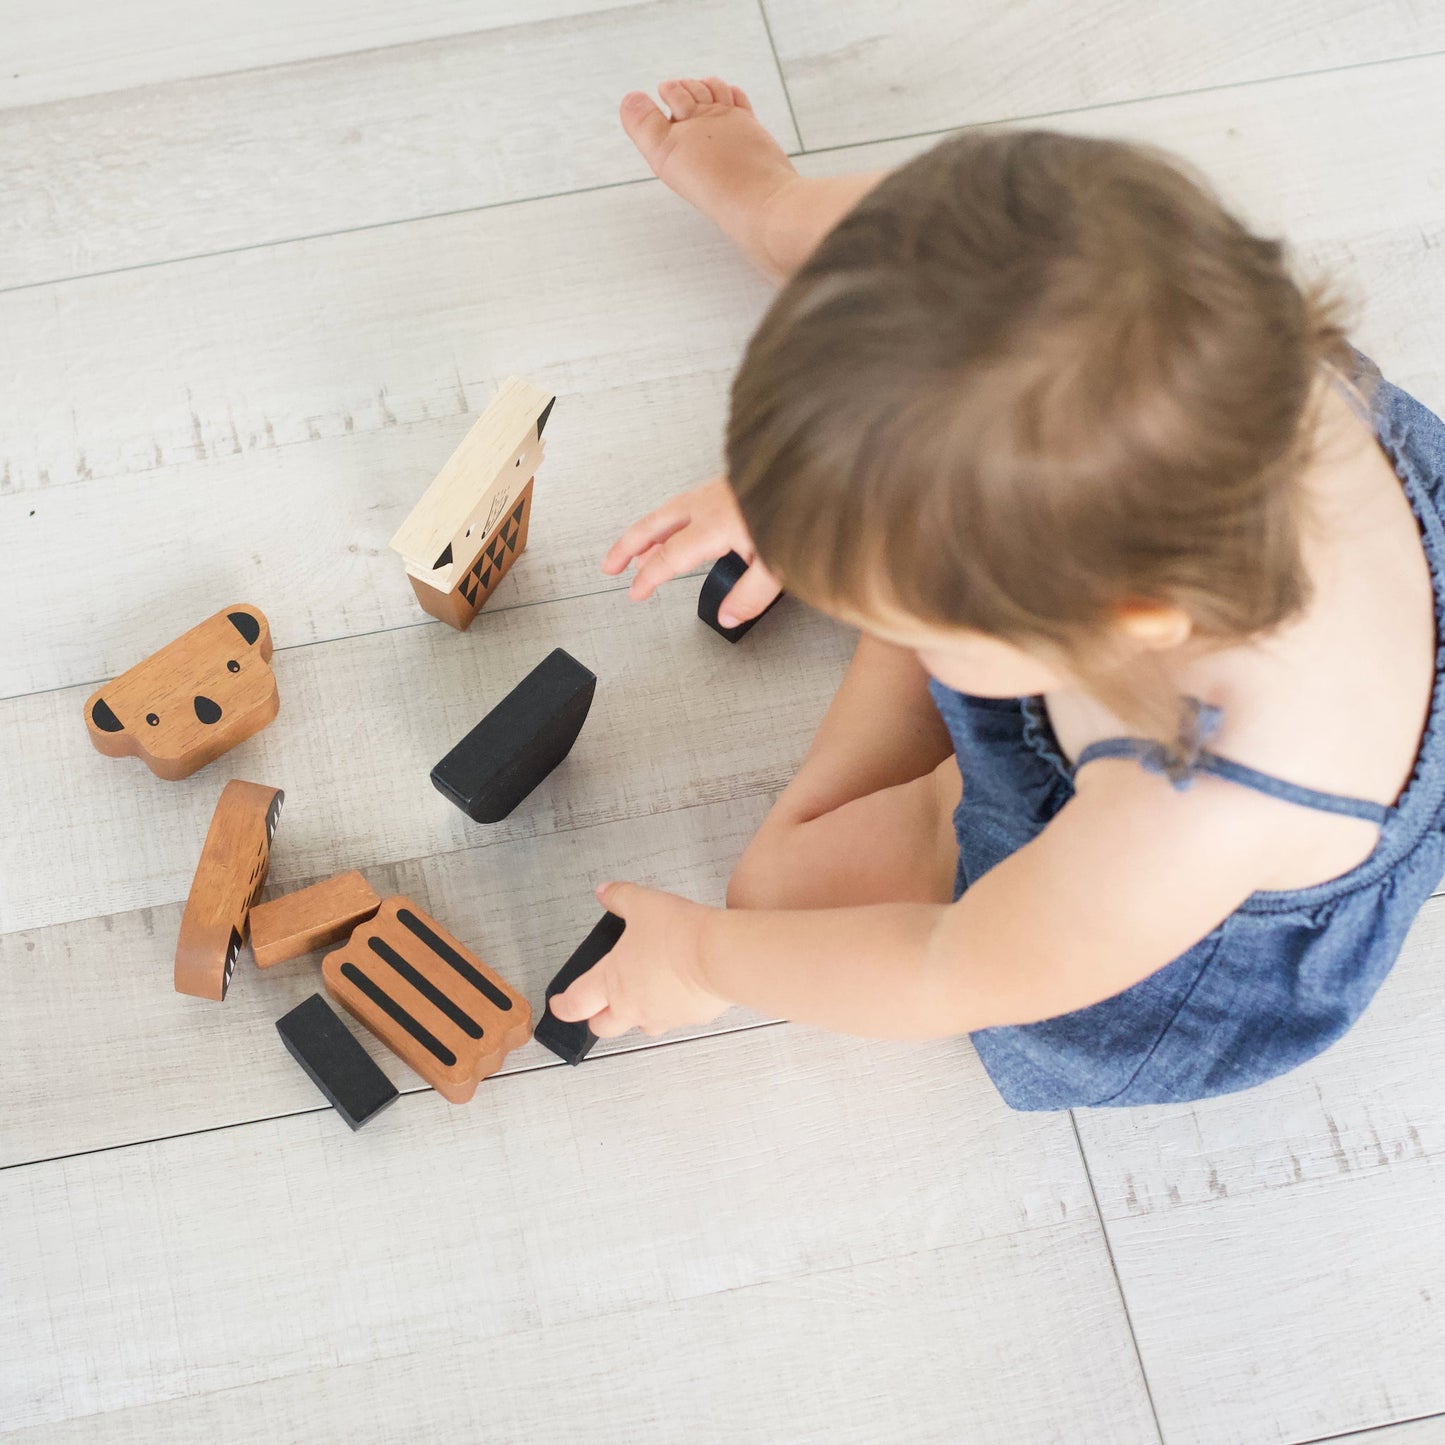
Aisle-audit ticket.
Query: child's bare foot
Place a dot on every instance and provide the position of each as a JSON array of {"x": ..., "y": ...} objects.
[{"x": 715, "y": 154}]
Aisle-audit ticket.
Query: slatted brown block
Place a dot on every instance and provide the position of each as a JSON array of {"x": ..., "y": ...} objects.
[
  {"x": 193, "y": 700},
  {"x": 425, "y": 995},
  {"x": 316, "y": 917},
  {"x": 228, "y": 879},
  {"x": 493, "y": 561}
]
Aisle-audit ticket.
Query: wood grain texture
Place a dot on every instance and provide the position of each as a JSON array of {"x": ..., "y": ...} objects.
[
  {"x": 564, "y": 1196},
  {"x": 674, "y": 724},
  {"x": 76, "y": 48},
  {"x": 331, "y": 145},
  {"x": 861, "y": 70},
  {"x": 159, "y": 1064},
  {"x": 297, "y": 923}
]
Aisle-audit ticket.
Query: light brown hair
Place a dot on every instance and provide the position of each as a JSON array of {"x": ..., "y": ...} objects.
[{"x": 1033, "y": 377}]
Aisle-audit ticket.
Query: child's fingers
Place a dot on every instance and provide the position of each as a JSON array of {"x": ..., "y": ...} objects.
[
  {"x": 657, "y": 526},
  {"x": 584, "y": 998},
  {"x": 680, "y": 553},
  {"x": 751, "y": 594},
  {"x": 607, "y": 1025}
]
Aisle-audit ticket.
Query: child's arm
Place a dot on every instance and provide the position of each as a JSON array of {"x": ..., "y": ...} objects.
[{"x": 1127, "y": 877}]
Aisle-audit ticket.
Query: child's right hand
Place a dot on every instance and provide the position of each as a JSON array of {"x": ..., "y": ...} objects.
[{"x": 695, "y": 527}]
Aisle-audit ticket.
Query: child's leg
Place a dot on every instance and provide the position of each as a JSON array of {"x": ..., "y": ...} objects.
[
  {"x": 893, "y": 846},
  {"x": 869, "y": 816},
  {"x": 715, "y": 153}
]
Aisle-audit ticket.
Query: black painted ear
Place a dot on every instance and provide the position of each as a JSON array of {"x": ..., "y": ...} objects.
[
  {"x": 246, "y": 625},
  {"x": 542, "y": 420},
  {"x": 104, "y": 718},
  {"x": 445, "y": 560}
]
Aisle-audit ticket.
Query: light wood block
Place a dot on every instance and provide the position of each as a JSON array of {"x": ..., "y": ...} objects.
[
  {"x": 193, "y": 700},
  {"x": 316, "y": 917},
  {"x": 863, "y": 70},
  {"x": 229, "y": 879},
  {"x": 428, "y": 997},
  {"x": 503, "y": 545}
]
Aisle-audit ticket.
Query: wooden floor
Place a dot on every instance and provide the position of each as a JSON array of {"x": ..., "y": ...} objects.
[{"x": 259, "y": 267}]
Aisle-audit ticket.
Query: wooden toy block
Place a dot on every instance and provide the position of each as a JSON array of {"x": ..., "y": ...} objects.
[
  {"x": 428, "y": 998},
  {"x": 572, "y": 1042},
  {"x": 228, "y": 879},
  {"x": 471, "y": 523},
  {"x": 284, "y": 928},
  {"x": 725, "y": 575},
  {"x": 520, "y": 741},
  {"x": 337, "y": 1064},
  {"x": 193, "y": 700}
]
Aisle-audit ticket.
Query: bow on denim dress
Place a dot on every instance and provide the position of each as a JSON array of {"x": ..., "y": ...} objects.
[{"x": 1283, "y": 976}]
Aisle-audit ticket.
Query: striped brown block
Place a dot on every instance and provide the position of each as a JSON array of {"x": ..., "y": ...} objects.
[{"x": 428, "y": 998}]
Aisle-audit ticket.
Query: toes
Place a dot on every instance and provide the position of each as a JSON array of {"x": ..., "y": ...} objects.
[
  {"x": 741, "y": 100},
  {"x": 699, "y": 92},
  {"x": 720, "y": 91},
  {"x": 677, "y": 98},
  {"x": 645, "y": 124}
]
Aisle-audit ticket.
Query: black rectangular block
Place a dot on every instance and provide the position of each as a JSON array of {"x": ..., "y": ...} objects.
[
  {"x": 520, "y": 741},
  {"x": 725, "y": 575},
  {"x": 573, "y": 1042},
  {"x": 317, "y": 1039}
]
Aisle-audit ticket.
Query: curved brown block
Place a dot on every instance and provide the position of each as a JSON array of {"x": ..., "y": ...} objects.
[
  {"x": 428, "y": 998},
  {"x": 234, "y": 860},
  {"x": 193, "y": 700}
]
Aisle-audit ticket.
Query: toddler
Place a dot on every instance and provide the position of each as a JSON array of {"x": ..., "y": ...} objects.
[{"x": 1138, "y": 772}]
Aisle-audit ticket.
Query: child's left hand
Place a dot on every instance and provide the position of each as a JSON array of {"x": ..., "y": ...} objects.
[{"x": 652, "y": 978}]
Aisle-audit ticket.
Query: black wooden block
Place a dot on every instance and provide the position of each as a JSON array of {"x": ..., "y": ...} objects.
[
  {"x": 724, "y": 576},
  {"x": 573, "y": 1042},
  {"x": 318, "y": 1040},
  {"x": 519, "y": 742}
]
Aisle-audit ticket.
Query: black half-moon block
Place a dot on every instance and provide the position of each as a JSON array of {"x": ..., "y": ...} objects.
[
  {"x": 520, "y": 741},
  {"x": 542, "y": 420},
  {"x": 246, "y": 625},
  {"x": 104, "y": 718},
  {"x": 206, "y": 710},
  {"x": 724, "y": 576},
  {"x": 336, "y": 1063},
  {"x": 573, "y": 1042}
]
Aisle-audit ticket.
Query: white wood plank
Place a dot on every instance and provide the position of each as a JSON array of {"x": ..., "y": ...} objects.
[
  {"x": 860, "y": 70},
  {"x": 363, "y": 332},
  {"x": 559, "y": 1197},
  {"x": 1005, "y": 1342},
  {"x": 305, "y": 529},
  {"x": 157, "y": 1064},
  {"x": 1279, "y": 1249},
  {"x": 330, "y": 145},
  {"x": 1429, "y": 1431},
  {"x": 79, "y": 47},
  {"x": 1304, "y": 158},
  {"x": 680, "y": 718}
]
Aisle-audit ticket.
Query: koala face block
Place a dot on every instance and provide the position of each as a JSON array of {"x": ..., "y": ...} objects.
[{"x": 193, "y": 700}]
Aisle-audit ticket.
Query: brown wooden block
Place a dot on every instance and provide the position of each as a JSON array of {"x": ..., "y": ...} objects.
[
  {"x": 493, "y": 561},
  {"x": 484, "y": 491},
  {"x": 234, "y": 860},
  {"x": 193, "y": 700},
  {"x": 284, "y": 928},
  {"x": 428, "y": 998}
]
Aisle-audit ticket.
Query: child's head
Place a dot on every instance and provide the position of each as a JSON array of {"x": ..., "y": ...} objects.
[{"x": 1037, "y": 407}]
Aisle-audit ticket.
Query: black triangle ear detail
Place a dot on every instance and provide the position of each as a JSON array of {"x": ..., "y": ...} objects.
[
  {"x": 542, "y": 420},
  {"x": 248, "y": 626},
  {"x": 445, "y": 560},
  {"x": 104, "y": 718}
]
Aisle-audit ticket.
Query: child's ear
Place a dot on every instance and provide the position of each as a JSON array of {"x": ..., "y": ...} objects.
[
  {"x": 247, "y": 624},
  {"x": 1154, "y": 625},
  {"x": 104, "y": 718}
]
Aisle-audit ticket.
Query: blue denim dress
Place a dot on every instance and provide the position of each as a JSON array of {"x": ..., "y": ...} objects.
[{"x": 1283, "y": 976}]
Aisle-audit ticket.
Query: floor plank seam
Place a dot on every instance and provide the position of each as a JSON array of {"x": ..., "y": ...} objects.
[
  {"x": 642, "y": 1047},
  {"x": 782, "y": 74},
  {"x": 1371, "y": 1429},
  {"x": 1114, "y": 1269},
  {"x": 1016, "y": 120}
]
